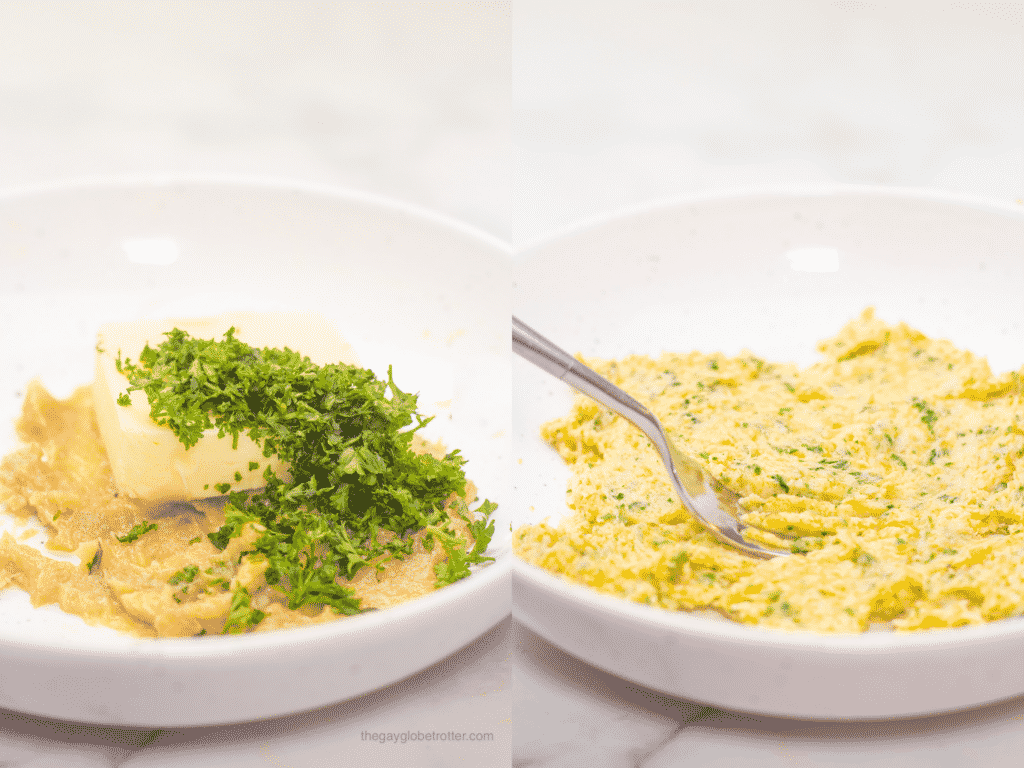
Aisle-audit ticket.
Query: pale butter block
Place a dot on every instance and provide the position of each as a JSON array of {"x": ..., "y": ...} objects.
[{"x": 148, "y": 461}]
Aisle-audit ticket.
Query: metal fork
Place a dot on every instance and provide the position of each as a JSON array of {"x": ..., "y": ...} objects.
[{"x": 715, "y": 506}]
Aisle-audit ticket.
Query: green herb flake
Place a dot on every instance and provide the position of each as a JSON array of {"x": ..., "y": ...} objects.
[
  {"x": 242, "y": 615},
  {"x": 456, "y": 566},
  {"x": 676, "y": 568},
  {"x": 928, "y": 416},
  {"x": 136, "y": 531},
  {"x": 862, "y": 558},
  {"x": 778, "y": 479},
  {"x": 185, "y": 576}
]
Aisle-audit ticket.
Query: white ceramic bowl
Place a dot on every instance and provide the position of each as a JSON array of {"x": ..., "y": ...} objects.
[
  {"x": 404, "y": 286},
  {"x": 727, "y": 273}
]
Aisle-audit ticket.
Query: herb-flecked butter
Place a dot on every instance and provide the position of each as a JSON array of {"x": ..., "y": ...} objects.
[{"x": 893, "y": 469}]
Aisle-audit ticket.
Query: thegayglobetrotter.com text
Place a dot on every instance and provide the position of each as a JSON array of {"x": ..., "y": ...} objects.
[{"x": 405, "y": 737}]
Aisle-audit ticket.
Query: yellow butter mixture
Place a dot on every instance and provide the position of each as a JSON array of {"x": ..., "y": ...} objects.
[{"x": 893, "y": 469}]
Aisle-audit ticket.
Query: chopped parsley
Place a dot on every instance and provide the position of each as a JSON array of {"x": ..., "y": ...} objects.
[
  {"x": 242, "y": 615},
  {"x": 676, "y": 567},
  {"x": 185, "y": 576},
  {"x": 346, "y": 438},
  {"x": 136, "y": 531},
  {"x": 457, "y": 565},
  {"x": 928, "y": 416}
]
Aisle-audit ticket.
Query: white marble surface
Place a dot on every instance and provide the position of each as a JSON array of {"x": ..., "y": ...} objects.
[
  {"x": 620, "y": 103},
  {"x": 569, "y": 714}
]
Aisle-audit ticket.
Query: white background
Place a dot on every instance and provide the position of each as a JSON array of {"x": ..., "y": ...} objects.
[{"x": 618, "y": 102}]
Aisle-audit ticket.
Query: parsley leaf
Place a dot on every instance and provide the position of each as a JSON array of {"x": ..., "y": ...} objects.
[
  {"x": 186, "y": 575},
  {"x": 928, "y": 416},
  {"x": 457, "y": 565},
  {"x": 242, "y": 615},
  {"x": 136, "y": 531}
]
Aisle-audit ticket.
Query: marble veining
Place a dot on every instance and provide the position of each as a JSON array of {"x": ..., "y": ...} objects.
[{"x": 570, "y": 714}]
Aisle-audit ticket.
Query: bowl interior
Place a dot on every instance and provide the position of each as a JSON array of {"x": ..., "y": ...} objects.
[
  {"x": 735, "y": 273},
  {"x": 772, "y": 273},
  {"x": 406, "y": 288}
]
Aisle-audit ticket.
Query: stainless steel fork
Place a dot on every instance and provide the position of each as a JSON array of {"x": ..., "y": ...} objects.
[{"x": 715, "y": 506}]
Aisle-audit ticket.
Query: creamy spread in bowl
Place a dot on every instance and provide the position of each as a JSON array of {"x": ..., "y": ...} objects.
[{"x": 892, "y": 468}]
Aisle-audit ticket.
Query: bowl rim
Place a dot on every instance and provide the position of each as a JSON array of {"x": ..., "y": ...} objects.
[
  {"x": 731, "y": 194},
  {"x": 154, "y": 181},
  {"x": 222, "y": 647},
  {"x": 687, "y": 623}
]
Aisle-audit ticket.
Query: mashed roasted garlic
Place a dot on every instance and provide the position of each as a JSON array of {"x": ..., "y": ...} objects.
[
  {"x": 893, "y": 469},
  {"x": 169, "y": 582}
]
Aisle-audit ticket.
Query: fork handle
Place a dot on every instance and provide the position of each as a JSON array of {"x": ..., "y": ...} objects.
[{"x": 545, "y": 354}]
